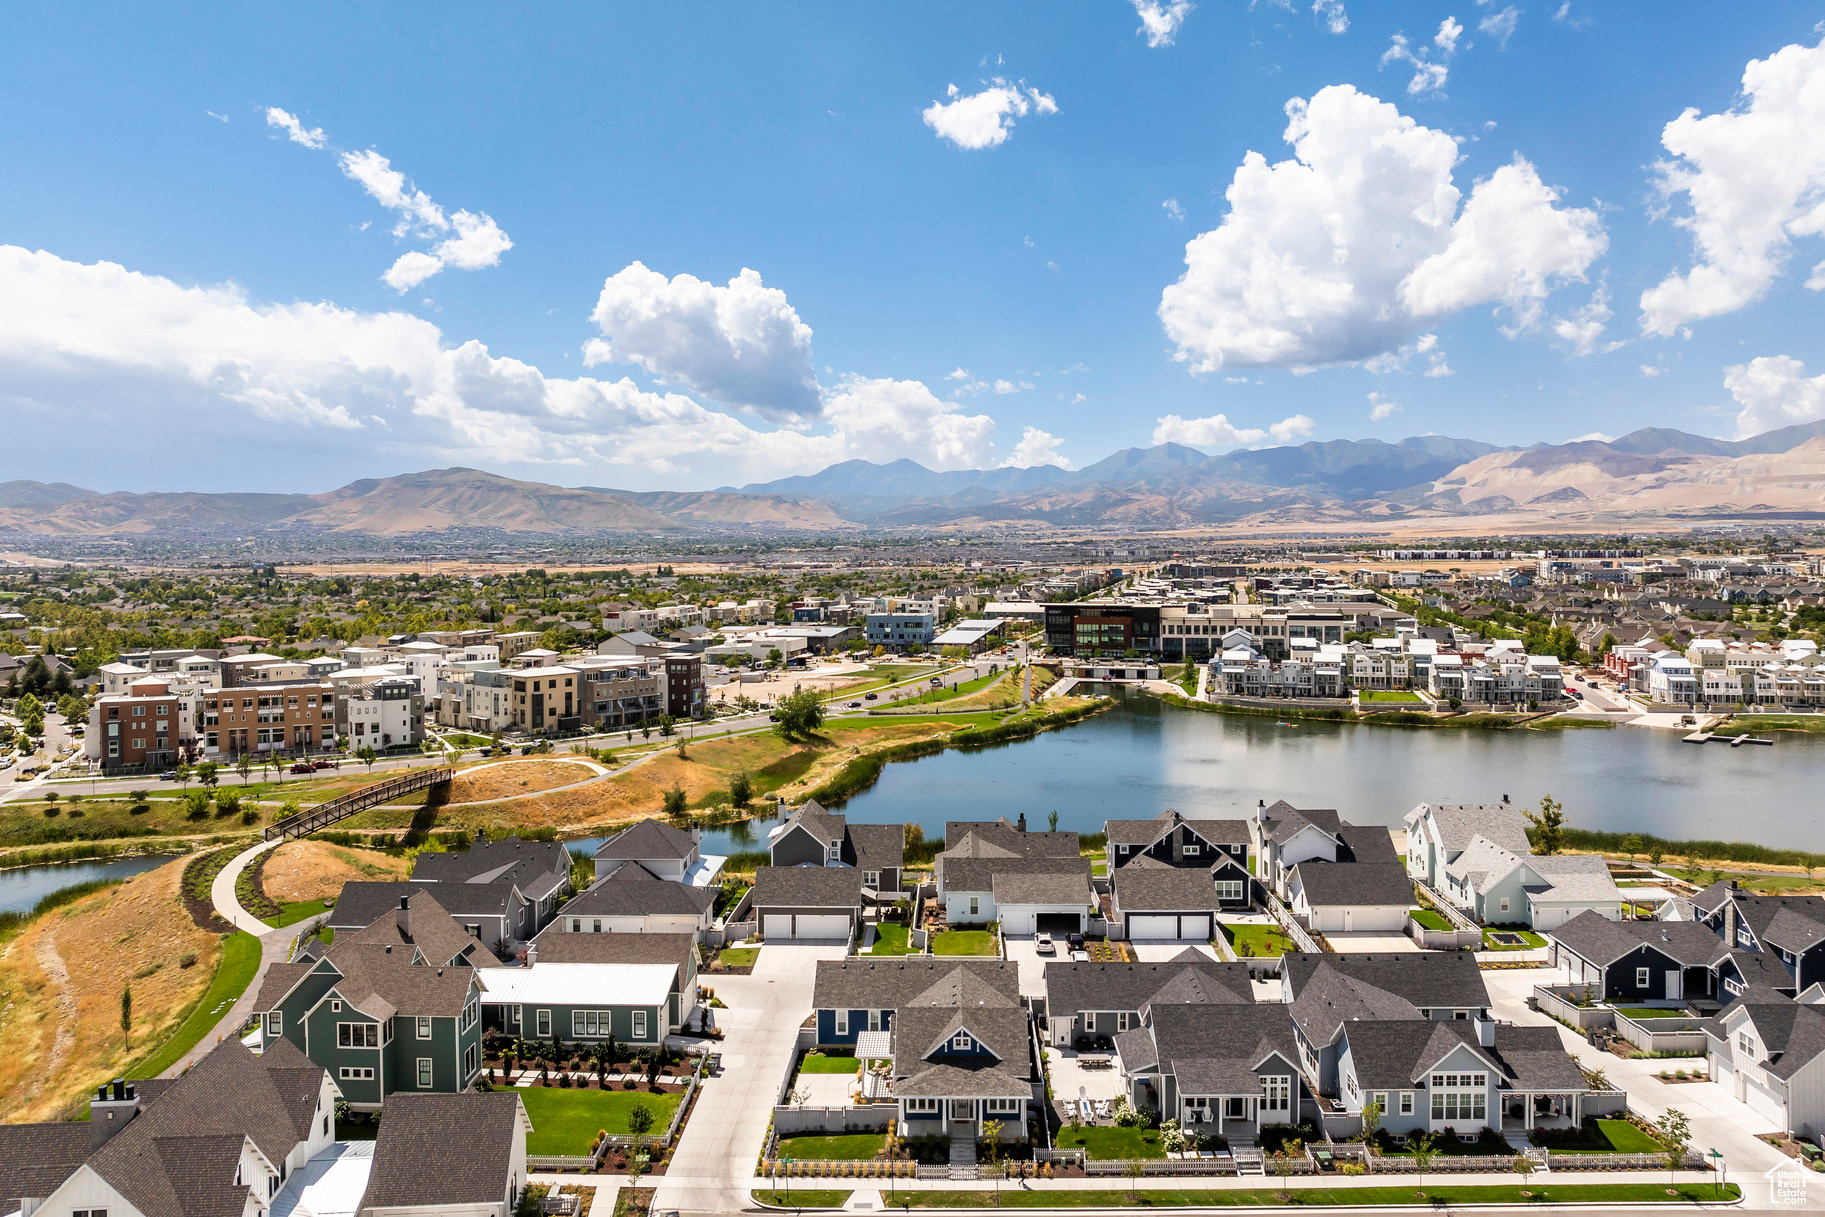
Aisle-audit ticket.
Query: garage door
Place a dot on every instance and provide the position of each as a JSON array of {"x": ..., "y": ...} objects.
[
  {"x": 1170, "y": 927},
  {"x": 776, "y": 925},
  {"x": 1013, "y": 922},
  {"x": 1765, "y": 1105},
  {"x": 825, "y": 926}
]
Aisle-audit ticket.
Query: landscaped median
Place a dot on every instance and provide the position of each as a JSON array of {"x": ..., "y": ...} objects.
[
  {"x": 1436, "y": 1197},
  {"x": 807, "y": 1198}
]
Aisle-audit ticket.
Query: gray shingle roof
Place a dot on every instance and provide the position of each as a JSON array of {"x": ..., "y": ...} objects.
[
  {"x": 979, "y": 874},
  {"x": 1072, "y": 988},
  {"x": 1216, "y": 1053},
  {"x": 382, "y": 981},
  {"x": 1283, "y": 821},
  {"x": 807, "y": 887},
  {"x": 414, "y": 1162},
  {"x": 363, "y": 900},
  {"x": 647, "y": 839},
  {"x": 633, "y": 891},
  {"x": 1336, "y": 987},
  {"x": 893, "y": 983},
  {"x": 35, "y": 1159},
  {"x": 1598, "y": 940},
  {"x": 616, "y": 948},
  {"x": 433, "y": 932},
  {"x": 531, "y": 864},
  {"x": 1793, "y": 922},
  {"x": 1457, "y": 823},
  {"x": 1043, "y": 888},
  {"x": 1164, "y": 889}
]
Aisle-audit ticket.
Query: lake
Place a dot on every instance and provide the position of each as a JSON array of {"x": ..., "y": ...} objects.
[
  {"x": 1142, "y": 757},
  {"x": 21, "y": 888}
]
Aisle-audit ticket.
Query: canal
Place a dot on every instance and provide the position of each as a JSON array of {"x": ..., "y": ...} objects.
[{"x": 22, "y": 887}]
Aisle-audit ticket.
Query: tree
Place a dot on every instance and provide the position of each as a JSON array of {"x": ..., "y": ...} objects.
[
  {"x": 276, "y": 763},
  {"x": 640, "y": 1119},
  {"x": 207, "y": 772},
  {"x": 674, "y": 802},
  {"x": 243, "y": 765},
  {"x": 668, "y": 726},
  {"x": 126, "y": 1016},
  {"x": 1371, "y": 1120},
  {"x": 1631, "y": 844},
  {"x": 683, "y": 753},
  {"x": 741, "y": 788},
  {"x": 1549, "y": 825},
  {"x": 1524, "y": 1166},
  {"x": 196, "y": 804},
  {"x": 227, "y": 803},
  {"x": 183, "y": 774},
  {"x": 1675, "y": 1137},
  {"x": 367, "y": 756},
  {"x": 800, "y": 714},
  {"x": 1052, "y": 821},
  {"x": 1424, "y": 1147},
  {"x": 1134, "y": 1171}
]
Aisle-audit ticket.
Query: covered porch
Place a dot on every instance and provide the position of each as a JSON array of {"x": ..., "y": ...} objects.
[{"x": 1526, "y": 1110}]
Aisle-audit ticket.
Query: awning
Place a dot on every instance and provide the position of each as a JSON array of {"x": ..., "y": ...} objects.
[{"x": 874, "y": 1046}]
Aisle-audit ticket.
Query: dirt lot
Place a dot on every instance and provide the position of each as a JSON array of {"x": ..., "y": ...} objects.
[
  {"x": 315, "y": 870},
  {"x": 60, "y": 984},
  {"x": 508, "y": 778}
]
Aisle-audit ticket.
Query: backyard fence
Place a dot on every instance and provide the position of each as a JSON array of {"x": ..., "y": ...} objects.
[
  {"x": 1561, "y": 1002},
  {"x": 870, "y": 1117},
  {"x": 1663, "y": 1035}
]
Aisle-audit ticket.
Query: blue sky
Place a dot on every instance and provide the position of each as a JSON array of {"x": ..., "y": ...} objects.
[{"x": 689, "y": 245}]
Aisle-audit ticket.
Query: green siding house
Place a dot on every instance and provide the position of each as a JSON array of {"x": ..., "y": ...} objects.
[{"x": 379, "y": 1019}]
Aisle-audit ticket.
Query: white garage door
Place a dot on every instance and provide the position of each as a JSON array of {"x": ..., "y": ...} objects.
[
  {"x": 1765, "y": 1105},
  {"x": 776, "y": 925},
  {"x": 1017, "y": 922},
  {"x": 1155, "y": 927},
  {"x": 825, "y": 926}
]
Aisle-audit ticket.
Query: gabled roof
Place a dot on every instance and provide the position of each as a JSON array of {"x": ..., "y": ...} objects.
[
  {"x": 866, "y": 983},
  {"x": 434, "y": 933},
  {"x": 381, "y": 981},
  {"x": 1281, "y": 821},
  {"x": 1072, "y": 988},
  {"x": 647, "y": 839},
  {"x": 362, "y": 900},
  {"x": 1456, "y": 823},
  {"x": 1164, "y": 889},
  {"x": 1793, "y": 1034},
  {"x": 530, "y": 864},
  {"x": 807, "y": 887},
  {"x": 413, "y": 1163},
  {"x": 35, "y": 1159},
  {"x": 630, "y": 890},
  {"x": 975, "y": 874},
  {"x": 1000, "y": 839},
  {"x": 1046, "y": 887},
  {"x": 617, "y": 948},
  {"x": 1143, "y": 833},
  {"x": 1793, "y": 922},
  {"x": 1214, "y": 1055},
  {"x": 1596, "y": 939},
  {"x": 1423, "y": 979},
  {"x": 1572, "y": 879},
  {"x": 1367, "y": 872}
]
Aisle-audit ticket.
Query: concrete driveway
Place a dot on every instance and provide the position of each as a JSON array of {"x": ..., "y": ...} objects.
[
  {"x": 1164, "y": 952},
  {"x": 713, "y": 1166},
  {"x": 1362, "y": 943},
  {"x": 1020, "y": 949}
]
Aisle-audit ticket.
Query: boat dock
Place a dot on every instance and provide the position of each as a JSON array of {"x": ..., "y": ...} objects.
[
  {"x": 1699, "y": 737},
  {"x": 1740, "y": 740},
  {"x": 1705, "y": 737}
]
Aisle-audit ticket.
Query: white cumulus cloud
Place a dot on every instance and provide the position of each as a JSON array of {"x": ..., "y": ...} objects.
[
  {"x": 1036, "y": 447},
  {"x": 1331, "y": 15},
  {"x": 1216, "y": 431},
  {"x": 985, "y": 119},
  {"x": 884, "y": 420},
  {"x": 1501, "y": 25},
  {"x": 742, "y": 343},
  {"x": 1583, "y": 329},
  {"x": 1428, "y": 76},
  {"x": 1774, "y": 391},
  {"x": 1448, "y": 32},
  {"x": 1389, "y": 362},
  {"x": 1382, "y": 406},
  {"x": 297, "y": 132},
  {"x": 1753, "y": 177},
  {"x": 1161, "y": 19},
  {"x": 1357, "y": 242}
]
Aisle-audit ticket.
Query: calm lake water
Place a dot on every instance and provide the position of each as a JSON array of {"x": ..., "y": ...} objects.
[
  {"x": 1142, "y": 757},
  {"x": 23, "y": 887}
]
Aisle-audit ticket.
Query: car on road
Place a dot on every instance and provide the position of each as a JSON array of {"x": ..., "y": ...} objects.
[
  {"x": 304, "y": 767},
  {"x": 937, "y": 680},
  {"x": 1075, "y": 941},
  {"x": 169, "y": 775},
  {"x": 322, "y": 764},
  {"x": 1043, "y": 944},
  {"x": 855, "y": 705},
  {"x": 869, "y": 697}
]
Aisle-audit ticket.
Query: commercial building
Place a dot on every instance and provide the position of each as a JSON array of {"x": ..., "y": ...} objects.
[
  {"x": 297, "y": 718},
  {"x": 900, "y": 631}
]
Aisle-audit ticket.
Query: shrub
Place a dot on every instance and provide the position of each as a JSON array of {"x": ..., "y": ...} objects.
[{"x": 187, "y": 960}]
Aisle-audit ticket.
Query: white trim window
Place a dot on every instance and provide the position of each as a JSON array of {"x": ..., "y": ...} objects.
[
  {"x": 275, "y": 1024},
  {"x": 921, "y": 1107},
  {"x": 424, "y": 1026},
  {"x": 1277, "y": 1092},
  {"x": 1406, "y": 1102},
  {"x": 357, "y": 1035},
  {"x": 1229, "y": 889},
  {"x": 639, "y": 1032},
  {"x": 1642, "y": 978},
  {"x": 961, "y": 1042},
  {"x": 591, "y": 1024},
  {"x": 1007, "y": 1107},
  {"x": 842, "y": 1022},
  {"x": 1193, "y": 851},
  {"x": 424, "y": 1073},
  {"x": 1458, "y": 1097},
  {"x": 871, "y": 878},
  {"x": 543, "y": 1019},
  {"x": 355, "y": 1073}
]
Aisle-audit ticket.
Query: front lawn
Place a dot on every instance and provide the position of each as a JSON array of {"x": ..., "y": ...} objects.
[
  {"x": 890, "y": 938},
  {"x": 817, "y": 1062},
  {"x": 1400, "y": 696},
  {"x": 291, "y": 914},
  {"x": 1640, "y": 1012},
  {"x": 1529, "y": 940},
  {"x": 1103, "y": 1141},
  {"x": 1607, "y": 1137},
  {"x": 565, "y": 1122},
  {"x": 1431, "y": 919},
  {"x": 1432, "y": 1195},
  {"x": 963, "y": 942},
  {"x": 850, "y": 1147},
  {"x": 738, "y": 957},
  {"x": 1263, "y": 941}
]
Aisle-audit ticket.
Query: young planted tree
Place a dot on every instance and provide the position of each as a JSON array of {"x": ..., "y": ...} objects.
[
  {"x": 367, "y": 756},
  {"x": 126, "y": 1017},
  {"x": 1675, "y": 1137},
  {"x": 1549, "y": 825},
  {"x": 674, "y": 806},
  {"x": 243, "y": 765},
  {"x": 741, "y": 788},
  {"x": 640, "y": 1119},
  {"x": 1425, "y": 1148}
]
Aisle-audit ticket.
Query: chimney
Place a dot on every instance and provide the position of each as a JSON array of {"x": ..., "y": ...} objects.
[
  {"x": 114, "y": 1104},
  {"x": 1021, "y": 824},
  {"x": 1504, "y": 798},
  {"x": 405, "y": 917},
  {"x": 1485, "y": 1031}
]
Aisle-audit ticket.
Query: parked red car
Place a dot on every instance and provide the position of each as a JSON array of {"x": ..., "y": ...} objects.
[{"x": 304, "y": 767}]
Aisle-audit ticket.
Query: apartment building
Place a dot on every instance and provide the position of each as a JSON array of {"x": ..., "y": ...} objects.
[
  {"x": 389, "y": 713},
  {"x": 149, "y": 726},
  {"x": 298, "y": 717},
  {"x": 545, "y": 700},
  {"x": 512, "y": 644},
  {"x": 900, "y": 631},
  {"x": 257, "y": 667},
  {"x": 615, "y": 693},
  {"x": 684, "y": 696}
]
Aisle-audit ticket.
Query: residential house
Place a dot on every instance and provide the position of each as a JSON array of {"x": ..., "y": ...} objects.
[
  {"x": 1234, "y": 1068},
  {"x": 808, "y": 902},
  {"x": 954, "y": 1033},
  {"x": 1791, "y": 928},
  {"x": 497, "y": 914},
  {"x": 415, "y": 1174},
  {"x": 1086, "y": 1003},
  {"x": 630, "y": 899},
  {"x": 221, "y": 1139},
  {"x": 1176, "y": 840},
  {"x": 1042, "y": 875},
  {"x": 1334, "y": 876},
  {"x": 811, "y": 836},
  {"x": 1542, "y": 891},
  {"x": 1769, "y": 1052},
  {"x": 665, "y": 851},
  {"x": 1638, "y": 962},
  {"x": 538, "y": 870},
  {"x": 378, "y": 1017},
  {"x": 1438, "y": 832},
  {"x": 424, "y": 925},
  {"x": 677, "y": 950},
  {"x": 1152, "y": 901}
]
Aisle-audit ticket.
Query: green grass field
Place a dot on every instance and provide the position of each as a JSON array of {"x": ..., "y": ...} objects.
[
  {"x": 1261, "y": 941},
  {"x": 1434, "y": 1196},
  {"x": 240, "y": 960},
  {"x": 850, "y": 1147},
  {"x": 1612, "y": 1137},
  {"x": 1641, "y": 1012},
  {"x": 291, "y": 914},
  {"x": 565, "y": 1122},
  {"x": 802, "y": 1198},
  {"x": 963, "y": 942},
  {"x": 1430, "y": 919},
  {"x": 891, "y": 939},
  {"x": 1101, "y": 1141},
  {"x": 817, "y": 1062},
  {"x": 1386, "y": 696},
  {"x": 739, "y": 957},
  {"x": 1530, "y": 940}
]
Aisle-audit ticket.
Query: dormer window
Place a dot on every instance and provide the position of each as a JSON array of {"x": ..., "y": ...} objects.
[
  {"x": 960, "y": 1042},
  {"x": 834, "y": 851},
  {"x": 1743, "y": 937}
]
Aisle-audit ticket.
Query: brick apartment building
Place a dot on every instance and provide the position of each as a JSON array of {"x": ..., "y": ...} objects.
[
  {"x": 684, "y": 686},
  {"x": 147, "y": 727},
  {"x": 298, "y": 718}
]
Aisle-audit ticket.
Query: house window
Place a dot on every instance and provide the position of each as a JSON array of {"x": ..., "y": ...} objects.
[
  {"x": 356, "y": 1073},
  {"x": 871, "y": 878},
  {"x": 1276, "y": 1092},
  {"x": 1122, "y": 850},
  {"x": 1229, "y": 889},
  {"x": 357, "y": 1035},
  {"x": 1743, "y": 937},
  {"x": 1004, "y": 1106},
  {"x": 424, "y": 1073},
  {"x": 975, "y": 906},
  {"x": 473, "y": 929},
  {"x": 470, "y": 1061},
  {"x": 275, "y": 1024},
  {"x": 1459, "y": 1097},
  {"x": 874, "y": 1020},
  {"x": 543, "y": 1018},
  {"x": 1406, "y": 1102},
  {"x": 1745, "y": 1043},
  {"x": 1123, "y": 1021},
  {"x": 596, "y": 925},
  {"x": 960, "y": 1042},
  {"x": 1504, "y": 904},
  {"x": 916, "y": 1107},
  {"x": 576, "y": 925},
  {"x": 1192, "y": 851},
  {"x": 424, "y": 1026},
  {"x": 1641, "y": 978},
  {"x": 1235, "y": 1108},
  {"x": 640, "y": 1024},
  {"x": 335, "y": 1007},
  {"x": 842, "y": 1022}
]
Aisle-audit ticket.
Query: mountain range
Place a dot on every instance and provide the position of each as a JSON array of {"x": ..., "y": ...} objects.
[{"x": 1652, "y": 474}]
